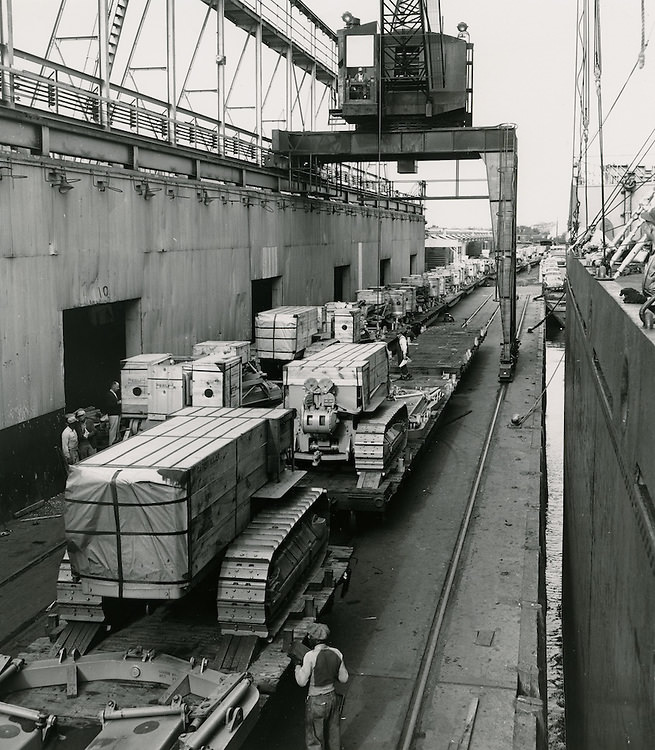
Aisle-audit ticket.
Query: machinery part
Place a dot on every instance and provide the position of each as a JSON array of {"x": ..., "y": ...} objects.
[
  {"x": 380, "y": 439},
  {"x": 220, "y": 721},
  {"x": 263, "y": 566}
]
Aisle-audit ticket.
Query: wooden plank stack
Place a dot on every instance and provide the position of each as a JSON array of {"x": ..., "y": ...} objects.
[
  {"x": 283, "y": 332},
  {"x": 145, "y": 517}
]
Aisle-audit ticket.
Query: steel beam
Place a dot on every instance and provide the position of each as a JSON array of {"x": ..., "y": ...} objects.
[
  {"x": 430, "y": 145},
  {"x": 497, "y": 146},
  {"x": 6, "y": 50},
  {"x": 502, "y": 168}
]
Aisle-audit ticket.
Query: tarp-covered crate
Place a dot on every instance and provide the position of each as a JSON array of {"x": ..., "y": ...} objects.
[{"x": 146, "y": 517}]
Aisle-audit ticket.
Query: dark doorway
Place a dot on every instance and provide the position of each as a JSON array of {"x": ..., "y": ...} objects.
[
  {"x": 342, "y": 291},
  {"x": 94, "y": 345},
  {"x": 413, "y": 263},
  {"x": 265, "y": 296},
  {"x": 385, "y": 271}
]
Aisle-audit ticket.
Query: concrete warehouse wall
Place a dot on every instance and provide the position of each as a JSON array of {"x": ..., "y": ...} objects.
[
  {"x": 183, "y": 268},
  {"x": 609, "y": 540}
]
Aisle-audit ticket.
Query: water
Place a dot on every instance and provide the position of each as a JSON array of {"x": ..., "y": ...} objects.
[{"x": 554, "y": 536}]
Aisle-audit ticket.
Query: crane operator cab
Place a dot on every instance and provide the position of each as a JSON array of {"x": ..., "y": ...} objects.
[{"x": 422, "y": 78}]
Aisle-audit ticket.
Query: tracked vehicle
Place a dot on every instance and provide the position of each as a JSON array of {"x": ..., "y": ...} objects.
[
  {"x": 343, "y": 411},
  {"x": 151, "y": 517}
]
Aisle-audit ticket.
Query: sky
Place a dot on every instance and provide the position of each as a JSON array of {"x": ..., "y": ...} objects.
[{"x": 524, "y": 73}]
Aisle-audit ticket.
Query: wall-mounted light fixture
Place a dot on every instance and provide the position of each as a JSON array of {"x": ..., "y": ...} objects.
[
  {"x": 173, "y": 192},
  {"x": 143, "y": 188},
  {"x": 102, "y": 183},
  {"x": 57, "y": 179},
  {"x": 8, "y": 170},
  {"x": 204, "y": 197}
]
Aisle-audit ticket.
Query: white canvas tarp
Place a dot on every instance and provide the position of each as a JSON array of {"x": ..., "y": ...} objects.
[{"x": 126, "y": 525}]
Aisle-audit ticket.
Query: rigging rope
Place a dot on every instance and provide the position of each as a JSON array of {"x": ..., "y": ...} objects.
[
  {"x": 582, "y": 91},
  {"x": 598, "y": 70}
]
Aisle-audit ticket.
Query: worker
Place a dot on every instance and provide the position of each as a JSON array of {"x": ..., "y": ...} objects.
[
  {"x": 403, "y": 358},
  {"x": 86, "y": 432},
  {"x": 113, "y": 411},
  {"x": 70, "y": 443},
  {"x": 321, "y": 667},
  {"x": 648, "y": 290}
]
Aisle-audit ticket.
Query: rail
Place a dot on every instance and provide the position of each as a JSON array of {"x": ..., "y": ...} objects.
[{"x": 414, "y": 709}]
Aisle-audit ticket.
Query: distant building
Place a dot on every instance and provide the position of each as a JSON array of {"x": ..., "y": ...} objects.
[{"x": 446, "y": 246}]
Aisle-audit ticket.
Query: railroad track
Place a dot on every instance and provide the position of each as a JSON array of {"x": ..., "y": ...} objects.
[
  {"x": 409, "y": 727},
  {"x": 33, "y": 563}
]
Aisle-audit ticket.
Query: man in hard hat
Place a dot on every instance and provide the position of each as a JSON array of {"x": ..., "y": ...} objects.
[{"x": 322, "y": 668}]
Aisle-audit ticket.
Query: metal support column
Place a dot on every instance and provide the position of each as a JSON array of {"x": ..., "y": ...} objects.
[
  {"x": 258, "y": 83},
  {"x": 220, "y": 64},
  {"x": 170, "y": 69},
  {"x": 312, "y": 99},
  {"x": 103, "y": 60},
  {"x": 501, "y": 177},
  {"x": 6, "y": 51}
]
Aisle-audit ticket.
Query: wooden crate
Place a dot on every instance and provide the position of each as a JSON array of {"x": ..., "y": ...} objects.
[
  {"x": 283, "y": 332},
  {"x": 216, "y": 380},
  {"x": 168, "y": 387},
  {"x": 347, "y": 324},
  {"x": 135, "y": 372},
  {"x": 360, "y": 373},
  {"x": 146, "y": 516}
]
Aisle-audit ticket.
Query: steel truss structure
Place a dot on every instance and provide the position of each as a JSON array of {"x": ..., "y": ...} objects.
[{"x": 205, "y": 72}]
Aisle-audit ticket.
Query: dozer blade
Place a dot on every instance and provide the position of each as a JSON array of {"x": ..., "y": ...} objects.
[{"x": 265, "y": 565}]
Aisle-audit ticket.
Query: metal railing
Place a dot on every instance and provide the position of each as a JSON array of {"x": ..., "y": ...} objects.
[{"x": 127, "y": 111}]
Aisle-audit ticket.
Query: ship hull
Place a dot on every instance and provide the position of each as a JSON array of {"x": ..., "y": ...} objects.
[{"x": 609, "y": 527}]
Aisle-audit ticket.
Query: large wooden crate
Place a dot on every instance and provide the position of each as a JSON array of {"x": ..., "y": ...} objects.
[
  {"x": 283, "y": 332},
  {"x": 169, "y": 385},
  {"x": 359, "y": 374},
  {"x": 135, "y": 372},
  {"x": 146, "y": 517},
  {"x": 347, "y": 323},
  {"x": 216, "y": 380}
]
